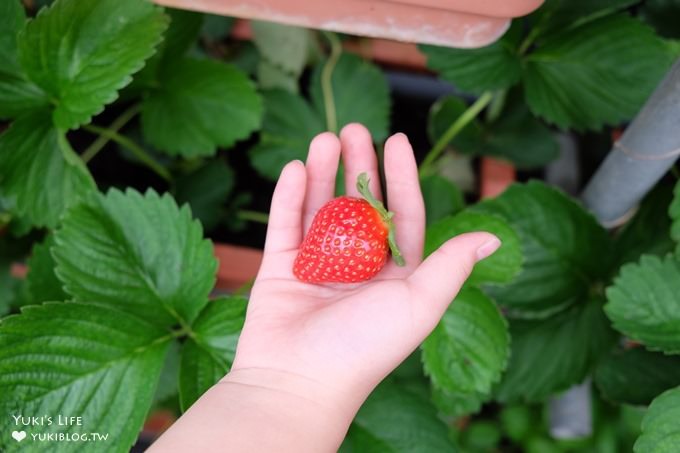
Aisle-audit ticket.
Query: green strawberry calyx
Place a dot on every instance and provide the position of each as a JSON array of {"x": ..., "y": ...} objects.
[{"x": 362, "y": 187}]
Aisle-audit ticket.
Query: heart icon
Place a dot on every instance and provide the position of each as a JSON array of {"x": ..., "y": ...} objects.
[{"x": 19, "y": 435}]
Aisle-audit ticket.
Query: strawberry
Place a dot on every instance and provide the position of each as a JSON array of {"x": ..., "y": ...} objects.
[{"x": 348, "y": 240}]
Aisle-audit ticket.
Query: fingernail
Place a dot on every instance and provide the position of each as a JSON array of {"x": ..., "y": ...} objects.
[{"x": 488, "y": 248}]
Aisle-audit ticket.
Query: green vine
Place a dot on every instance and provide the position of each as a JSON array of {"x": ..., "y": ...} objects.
[
  {"x": 463, "y": 120},
  {"x": 327, "y": 81},
  {"x": 139, "y": 152}
]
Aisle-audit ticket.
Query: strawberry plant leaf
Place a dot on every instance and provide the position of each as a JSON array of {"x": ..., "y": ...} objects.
[
  {"x": 167, "y": 381},
  {"x": 643, "y": 302},
  {"x": 187, "y": 114},
  {"x": 138, "y": 253},
  {"x": 634, "y": 239},
  {"x": 468, "y": 350},
  {"x": 502, "y": 266},
  {"x": 565, "y": 250},
  {"x": 180, "y": 36},
  {"x": 443, "y": 114},
  {"x": 663, "y": 15},
  {"x": 17, "y": 94},
  {"x": 674, "y": 213},
  {"x": 517, "y": 136},
  {"x": 660, "y": 428},
  {"x": 569, "y": 79},
  {"x": 556, "y": 15},
  {"x": 206, "y": 190},
  {"x": 79, "y": 359},
  {"x": 81, "y": 52},
  {"x": 396, "y": 420},
  {"x": 216, "y": 27},
  {"x": 636, "y": 376},
  {"x": 360, "y": 94},
  {"x": 288, "y": 126},
  {"x": 494, "y": 67},
  {"x": 41, "y": 282},
  {"x": 42, "y": 176},
  {"x": 552, "y": 354},
  {"x": 270, "y": 77},
  {"x": 209, "y": 352},
  {"x": 284, "y": 46},
  {"x": 457, "y": 404},
  {"x": 442, "y": 198}
]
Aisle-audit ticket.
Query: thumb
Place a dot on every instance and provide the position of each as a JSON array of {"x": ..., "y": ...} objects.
[{"x": 439, "y": 278}]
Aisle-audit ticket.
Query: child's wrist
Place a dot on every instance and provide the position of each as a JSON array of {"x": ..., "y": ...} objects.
[{"x": 317, "y": 408}]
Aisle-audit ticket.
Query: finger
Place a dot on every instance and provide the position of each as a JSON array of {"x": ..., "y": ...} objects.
[
  {"x": 322, "y": 167},
  {"x": 284, "y": 229},
  {"x": 439, "y": 278},
  {"x": 405, "y": 201},
  {"x": 358, "y": 156}
]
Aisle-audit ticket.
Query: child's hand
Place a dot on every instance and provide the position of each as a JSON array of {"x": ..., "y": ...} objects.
[
  {"x": 313, "y": 353},
  {"x": 350, "y": 336}
]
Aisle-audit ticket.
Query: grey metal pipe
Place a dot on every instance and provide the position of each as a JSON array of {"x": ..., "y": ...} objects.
[{"x": 645, "y": 152}]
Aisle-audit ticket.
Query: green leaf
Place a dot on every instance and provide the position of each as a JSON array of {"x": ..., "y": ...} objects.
[
  {"x": 201, "y": 104},
  {"x": 138, "y": 253},
  {"x": 206, "y": 190},
  {"x": 457, "y": 404},
  {"x": 180, "y": 35},
  {"x": 216, "y": 27},
  {"x": 481, "y": 435},
  {"x": 271, "y": 77},
  {"x": 636, "y": 376},
  {"x": 167, "y": 381},
  {"x": 17, "y": 94},
  {"x": 360, "y": 94},
  {"x": 178, "y": 38},
  {"x": 494, "y": 67},
  {"x": 42, "y": 176},
  {"x": 663, "y": 15},
  {"x": 288, "y": 126},
  {"x": 442, "y": 198},
  {"x": 81, "y": 52},
  {"x": 565, "y": 250},
  {"x": 674, "y": 213},
  {"x": 587, "y": 77},
  {"x": 209, "y": 352},
  {"x": 634, "y": 239},
  {"x": 83, "y": 360},
  {"x": 557, "y": 15},
  {"x": 519, "y": 137},
  {"x": 283, "y": 46},
  {"x": 644, "y": 302},
  {"x": 395, "y": 420},
  {"x": 502, "y": 266},
  {"x": 443, "y": 114},
  {"x": 468, "y": 350},
  {"x": 42, "y": 283},
  {"x": 516, "y": 136},
  {"x": 552, "y": 354},
  {"x": 660, "y": 428}
]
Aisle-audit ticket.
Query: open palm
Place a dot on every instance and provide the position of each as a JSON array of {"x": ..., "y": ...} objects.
[{"x": 350, "y": 335}]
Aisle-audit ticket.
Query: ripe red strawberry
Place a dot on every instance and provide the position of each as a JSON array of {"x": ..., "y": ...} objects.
[{"x": 348, "y": 240}]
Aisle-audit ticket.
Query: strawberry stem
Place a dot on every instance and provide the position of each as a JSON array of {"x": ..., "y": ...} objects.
[{"x": 362, "y": 187}]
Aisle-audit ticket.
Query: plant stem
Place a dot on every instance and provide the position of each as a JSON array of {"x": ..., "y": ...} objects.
[
  {"x": 115, "y": 126},
  {"x": 453, "y": 130},
  {"x": 253, "y": 216},
  {"x": 496, "y": 105},
  {"x": 327, "y": 81},
  {"x": 139, "y": 152}
]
